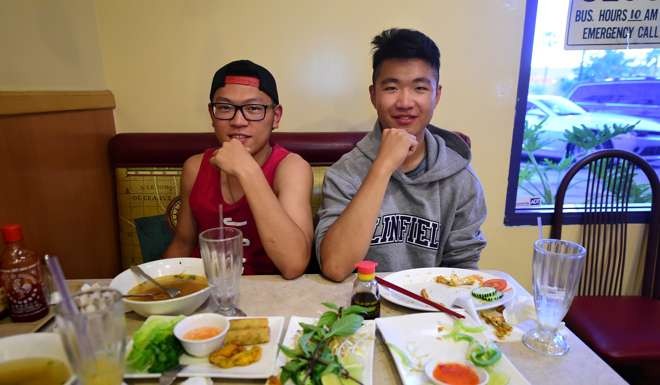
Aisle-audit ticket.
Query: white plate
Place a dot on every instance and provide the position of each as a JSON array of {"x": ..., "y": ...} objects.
[
  {"x": 415, "y": 339},
  {"x": 417, "y": 279},
  {"x": 368, "y": 329},
  {"x": 201, "y": 366}
]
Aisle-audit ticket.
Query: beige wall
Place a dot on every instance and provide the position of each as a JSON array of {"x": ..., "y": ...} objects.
[
  {"x": 159, "y": 58},
  {"x": 49, "y": 45},
  {"x": 159, "y": 61}
]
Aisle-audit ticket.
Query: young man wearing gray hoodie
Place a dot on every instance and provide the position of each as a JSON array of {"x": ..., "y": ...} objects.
[{"x": 405, "y": 196}]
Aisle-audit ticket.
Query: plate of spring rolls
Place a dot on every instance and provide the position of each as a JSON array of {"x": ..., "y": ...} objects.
[{"x": 246, "y": 335}]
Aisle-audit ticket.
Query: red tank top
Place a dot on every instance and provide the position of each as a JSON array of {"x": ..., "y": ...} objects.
[{"x": 206, "y": 196}]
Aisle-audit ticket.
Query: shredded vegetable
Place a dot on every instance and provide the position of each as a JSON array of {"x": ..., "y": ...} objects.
[{"x": 479, "y": 354}]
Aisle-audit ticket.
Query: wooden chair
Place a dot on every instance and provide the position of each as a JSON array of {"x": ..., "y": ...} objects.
[{"x": 624, "y": 330}]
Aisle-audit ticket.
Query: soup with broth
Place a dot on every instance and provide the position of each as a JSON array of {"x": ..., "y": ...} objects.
[
  {"x": 34, "y": 371},
  {"x": 187, "y": 283}
]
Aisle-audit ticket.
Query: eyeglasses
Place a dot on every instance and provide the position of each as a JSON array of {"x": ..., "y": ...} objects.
[{"x": 251, "y": 112}]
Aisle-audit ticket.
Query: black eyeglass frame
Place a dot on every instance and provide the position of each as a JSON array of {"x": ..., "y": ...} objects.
[{"x": 237, "y": 108}]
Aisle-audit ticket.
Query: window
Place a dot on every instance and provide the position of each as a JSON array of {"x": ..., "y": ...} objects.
[{"x": 571, "y": 103}]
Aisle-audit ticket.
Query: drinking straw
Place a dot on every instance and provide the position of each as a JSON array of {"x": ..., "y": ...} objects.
[
  {"x": 221, "y": 220},
  {"x": 222, "y": 240},
  {"x": 70, "y": 307},
  {"x": 60, "y": 284},
  {"x": 539, "y": 224}
]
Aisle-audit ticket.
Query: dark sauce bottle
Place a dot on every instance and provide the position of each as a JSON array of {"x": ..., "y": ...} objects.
[{"x": 365, "y": 289}]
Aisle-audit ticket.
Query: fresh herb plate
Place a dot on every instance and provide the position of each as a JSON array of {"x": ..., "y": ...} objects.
[
  {"x": 366, "y": 344},
  {"x": 415, "y": 339}
]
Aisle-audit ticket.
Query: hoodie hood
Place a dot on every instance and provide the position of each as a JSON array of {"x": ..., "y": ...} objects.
[{"x": 446, "y": 154}]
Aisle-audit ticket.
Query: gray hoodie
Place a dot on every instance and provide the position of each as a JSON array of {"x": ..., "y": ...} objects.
[{"x": 432, "y": 219}]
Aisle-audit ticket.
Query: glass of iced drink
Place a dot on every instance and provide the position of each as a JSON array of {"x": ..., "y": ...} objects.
[
  {"x": 222, "y": 252},
  {"x": 556, "y": 269}
]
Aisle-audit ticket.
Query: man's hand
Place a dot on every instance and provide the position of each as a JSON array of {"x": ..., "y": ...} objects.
[
  {"x": 233, "y": 158},
  {"x": 395, "y": 146}
]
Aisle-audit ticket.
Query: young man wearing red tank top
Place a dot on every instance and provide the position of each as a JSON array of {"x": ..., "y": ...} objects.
[{"x": 264, "y": 190}]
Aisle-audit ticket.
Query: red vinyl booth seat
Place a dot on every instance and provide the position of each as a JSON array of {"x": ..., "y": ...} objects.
[{"x": 624, "y": 337}]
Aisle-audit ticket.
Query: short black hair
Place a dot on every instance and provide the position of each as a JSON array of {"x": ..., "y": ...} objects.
[{"x": 401, "y": 43}]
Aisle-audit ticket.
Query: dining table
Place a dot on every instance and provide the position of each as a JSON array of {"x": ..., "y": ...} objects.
[{"x": 271, "y": 295}]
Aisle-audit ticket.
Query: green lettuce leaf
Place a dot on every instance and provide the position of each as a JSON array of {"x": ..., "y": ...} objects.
[{"x": 155, "y": 348}]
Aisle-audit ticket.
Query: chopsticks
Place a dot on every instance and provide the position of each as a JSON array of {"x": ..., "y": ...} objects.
[{"x": 418, "y": 297}]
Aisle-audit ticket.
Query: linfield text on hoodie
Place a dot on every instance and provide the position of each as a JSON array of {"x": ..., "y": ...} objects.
[{"x": 431, "y": 219}]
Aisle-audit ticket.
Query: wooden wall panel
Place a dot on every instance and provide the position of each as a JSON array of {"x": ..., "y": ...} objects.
[{"x": 56, "y": 181}]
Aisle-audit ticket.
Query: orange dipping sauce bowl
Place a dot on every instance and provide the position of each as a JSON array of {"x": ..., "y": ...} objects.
[{"x": 201, "y": 334}]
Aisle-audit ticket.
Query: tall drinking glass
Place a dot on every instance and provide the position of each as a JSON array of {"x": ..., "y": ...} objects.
[
  {"x": 556, "y": 271},
  {"x": 95, "y": 337},
  {"x": 222, "y": 253}
]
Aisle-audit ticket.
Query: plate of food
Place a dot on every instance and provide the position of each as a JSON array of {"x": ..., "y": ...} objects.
[
  {"x": 248, "y": 349},
  {"x": 417, "y": 341},
  {"x": 443, "y": 285},
  {"x": 347, "y": 343}
]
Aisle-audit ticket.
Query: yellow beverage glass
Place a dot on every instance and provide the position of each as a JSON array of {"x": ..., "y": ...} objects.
[
  {"x": 101, "y": 371},
  {"x": 95, "y": 337}
]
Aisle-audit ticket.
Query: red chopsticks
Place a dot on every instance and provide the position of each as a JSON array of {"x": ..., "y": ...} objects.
[{"x": 417, "y": 297}]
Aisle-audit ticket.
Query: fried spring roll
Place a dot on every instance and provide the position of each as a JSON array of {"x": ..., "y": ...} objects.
[
  {"x": 251, "y": 336},
  {"x": 248, "y": 323}
]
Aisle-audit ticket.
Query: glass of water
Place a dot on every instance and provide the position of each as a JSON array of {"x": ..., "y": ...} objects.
[
  {"x": 222, "y": 252},
  {"x": 556, "y": 271}
]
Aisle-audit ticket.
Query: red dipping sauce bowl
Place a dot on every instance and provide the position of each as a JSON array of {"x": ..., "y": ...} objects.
[{"x": 455, "y": 373}]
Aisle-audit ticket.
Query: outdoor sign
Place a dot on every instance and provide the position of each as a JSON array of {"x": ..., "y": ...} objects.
[{"x": 605, "y": 24}]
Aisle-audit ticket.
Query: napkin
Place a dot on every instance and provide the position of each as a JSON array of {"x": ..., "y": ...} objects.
[
  {"x": 521, "y": 314},
  {"x": 197, "y": 381},
  {"x": 520, "y": 310}
]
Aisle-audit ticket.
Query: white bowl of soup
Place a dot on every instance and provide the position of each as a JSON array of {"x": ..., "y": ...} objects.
[
  {"x": 185, "y": 274},
  {"x": 34, "y": 358}
]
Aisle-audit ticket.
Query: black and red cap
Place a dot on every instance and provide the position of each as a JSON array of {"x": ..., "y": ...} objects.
[{"x": 247, "y": 73}]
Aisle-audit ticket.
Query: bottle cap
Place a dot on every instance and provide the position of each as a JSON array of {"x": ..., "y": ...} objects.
[
  {"x": 366, "y": 267},
  {"x": 12, "y": 233},
  {"x": 366, "y": 270}
]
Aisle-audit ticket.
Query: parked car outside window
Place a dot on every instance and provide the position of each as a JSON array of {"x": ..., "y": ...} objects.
[
  {"x": 558, "y": 114},
  {"x": 634, "y": 97}
]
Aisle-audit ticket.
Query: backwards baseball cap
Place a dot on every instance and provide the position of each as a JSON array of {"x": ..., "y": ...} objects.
[{"x": 247, "y": 73}]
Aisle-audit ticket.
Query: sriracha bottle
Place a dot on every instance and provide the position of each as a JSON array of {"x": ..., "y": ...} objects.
[{"x": 20, "y": 273}]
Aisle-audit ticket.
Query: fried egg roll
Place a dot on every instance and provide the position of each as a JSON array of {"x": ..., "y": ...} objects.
[
  {"x": 251, "y": 336},
  {"x": 248, "y": 323}
]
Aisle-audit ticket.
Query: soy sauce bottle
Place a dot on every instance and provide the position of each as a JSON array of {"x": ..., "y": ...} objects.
[
  {"x": 21, "y": 276},
  {"x": 365, "y": 289}
]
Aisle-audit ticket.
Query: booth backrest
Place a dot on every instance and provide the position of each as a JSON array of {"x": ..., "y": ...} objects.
[{"x": 147, "y": 169}]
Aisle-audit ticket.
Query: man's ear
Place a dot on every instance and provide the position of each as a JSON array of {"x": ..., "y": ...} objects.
[
  {"x": 372, "y": 95},
  {"x": 277, "y": 115},
  {"x": 437, "y": 95}
]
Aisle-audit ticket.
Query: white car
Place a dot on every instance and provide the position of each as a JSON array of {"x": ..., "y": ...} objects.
[{"x": 559, "y": 114}]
